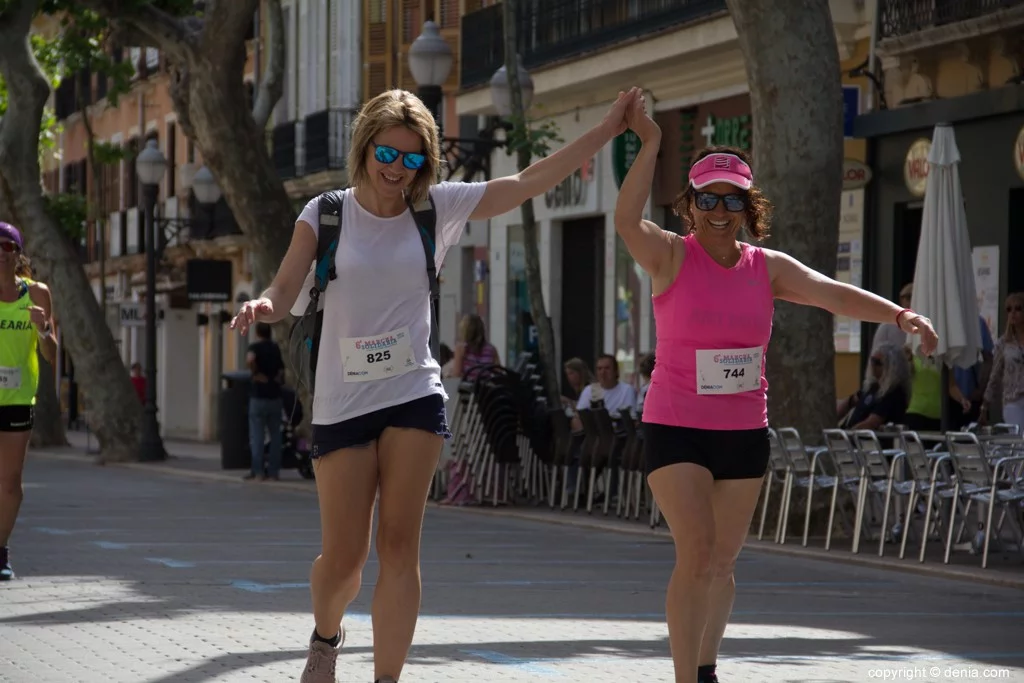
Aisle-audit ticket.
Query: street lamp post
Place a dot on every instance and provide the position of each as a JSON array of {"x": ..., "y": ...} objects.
[
  {"x": 501, "y": 93},
  {"x": 151, "y": 166},
  {"x": 430, "y": 61}
]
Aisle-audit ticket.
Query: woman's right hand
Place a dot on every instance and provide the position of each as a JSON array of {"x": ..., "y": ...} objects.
[
  {"x": 639, "y": 122},
  {"x": 252, "y": 311}
]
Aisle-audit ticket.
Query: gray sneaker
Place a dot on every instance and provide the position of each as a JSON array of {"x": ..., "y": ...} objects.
[{"x": 322, "y": 661}]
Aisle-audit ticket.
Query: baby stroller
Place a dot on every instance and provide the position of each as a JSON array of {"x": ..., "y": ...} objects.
[{"x": 294, "y": 450}]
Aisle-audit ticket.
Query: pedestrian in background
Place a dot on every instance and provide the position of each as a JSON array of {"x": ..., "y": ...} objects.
[{"x": 265, "y": 403}]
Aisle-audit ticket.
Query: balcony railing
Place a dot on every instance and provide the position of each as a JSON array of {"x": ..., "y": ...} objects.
[
  {"x": 319, "y": 142},
  {"x": 903, "y": 17},
  {"x": 551, "y": 30},
  {"x": 326, "y": 136}
]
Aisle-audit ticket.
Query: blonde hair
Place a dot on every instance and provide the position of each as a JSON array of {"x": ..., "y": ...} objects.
[
  {"x": 387, "y": 110},
  {"x": 471, "y": 331},
  {"x": 1013, "y": 298}
]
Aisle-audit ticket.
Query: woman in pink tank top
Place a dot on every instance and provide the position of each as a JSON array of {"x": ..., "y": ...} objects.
[{"x": 706, "y": 412}]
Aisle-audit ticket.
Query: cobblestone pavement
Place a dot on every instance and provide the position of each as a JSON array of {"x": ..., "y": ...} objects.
[{"x": 131, "y": 576}]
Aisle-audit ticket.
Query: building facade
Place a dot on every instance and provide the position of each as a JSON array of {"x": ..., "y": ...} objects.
[
  {"x": 963, "y": 65},
  {"x": 338, "y": 53},
  {"x": 686, "y": 57},
  {"x": 113, "y": 245}
]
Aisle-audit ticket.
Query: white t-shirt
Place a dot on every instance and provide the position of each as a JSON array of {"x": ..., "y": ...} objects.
[
  {"x": 619, "y": 398},
  {"x": 381, "y": 287}
]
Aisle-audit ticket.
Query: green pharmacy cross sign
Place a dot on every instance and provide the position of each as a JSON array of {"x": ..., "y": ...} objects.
[{"x": 625, "y": 147}]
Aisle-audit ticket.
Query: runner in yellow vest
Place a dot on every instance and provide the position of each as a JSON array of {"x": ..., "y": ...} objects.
[{"x": 25, "y": 327}]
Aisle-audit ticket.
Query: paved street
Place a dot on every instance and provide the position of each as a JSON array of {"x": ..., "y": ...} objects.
[{"x": 140, "y": 577}]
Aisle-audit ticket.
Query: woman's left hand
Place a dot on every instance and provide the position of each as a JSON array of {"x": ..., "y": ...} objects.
[
  {"x": 913, "y": 323},
  {"x": 37, "y": 315}
]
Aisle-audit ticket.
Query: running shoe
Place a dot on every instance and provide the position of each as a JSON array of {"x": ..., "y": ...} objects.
[
  {"x": 322, "y": 661},
  {"x": 6, "y": 573}
]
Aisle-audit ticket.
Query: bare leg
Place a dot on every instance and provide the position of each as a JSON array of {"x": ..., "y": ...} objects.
[
  {"x": 13, "y": 449},
  {"x": 683, "y": 493},
  {"x": 733, "y": 501},
  {"x": 346, "y": 483},
  {"x": 408, "y": 460}
]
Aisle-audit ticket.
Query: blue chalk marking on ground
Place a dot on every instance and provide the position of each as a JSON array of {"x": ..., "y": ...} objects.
[
  {"x": 525, "y": 665},
  {"x": 173, "y": 564},
  {"x": 110, "y": 545},
  {"x": 254, "y": 587}
]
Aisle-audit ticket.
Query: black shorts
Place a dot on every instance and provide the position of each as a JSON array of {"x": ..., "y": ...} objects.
[
  {"x": 427, "y": 414},
  {"x": 17, "y": 418},
  {"x": 727, "y": 454}
]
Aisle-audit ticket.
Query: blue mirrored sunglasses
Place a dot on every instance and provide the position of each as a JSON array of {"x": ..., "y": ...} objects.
[
  {"x": 387, "y": 155},
  {"x": 706, "y": 201}
]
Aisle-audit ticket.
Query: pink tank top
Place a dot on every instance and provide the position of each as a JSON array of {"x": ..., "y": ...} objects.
[{"x": 713, "y": 326}]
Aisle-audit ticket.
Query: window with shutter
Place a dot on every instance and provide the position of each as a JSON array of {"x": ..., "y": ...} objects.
[
  {"x": 376, "y": 49},
  {"x": 323, "y": 51},
  {"x": 449, "y": 13},
  {"x": 286, "y": 105},
  {"x": 302, "y": 108},
  {"x": 336, "y": 72}
]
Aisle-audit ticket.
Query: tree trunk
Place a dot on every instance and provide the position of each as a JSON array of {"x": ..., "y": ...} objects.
[
  {"x": 48, "y": 430},
  {"x": 798, "y": 160},
  {"x": 115, "y": 413},
  {"x": 545, "y": 333}
]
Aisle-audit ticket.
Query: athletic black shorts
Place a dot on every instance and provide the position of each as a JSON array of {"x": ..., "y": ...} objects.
[
  {"x": 17, "y": 418},
  {"x": 735, "y": 454},
  {"x": 427, "y": 414}
]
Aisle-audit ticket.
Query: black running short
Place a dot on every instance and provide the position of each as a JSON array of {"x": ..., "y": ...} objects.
[
  {"x": 16, "y": 418},
  {"x": 727, "y": 454},
  {"x": 427, "y": 414}
]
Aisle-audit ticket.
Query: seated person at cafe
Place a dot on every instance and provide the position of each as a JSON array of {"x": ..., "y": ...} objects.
[
  {"x": 885, "y": 395},
  {"x": 617, "y": 396}
]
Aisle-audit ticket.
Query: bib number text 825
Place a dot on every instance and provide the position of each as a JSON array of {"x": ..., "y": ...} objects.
[{"x": 378, "y": 357}]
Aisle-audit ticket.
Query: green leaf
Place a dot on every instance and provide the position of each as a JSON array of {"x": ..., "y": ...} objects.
[{"x": 69, "y": 212}]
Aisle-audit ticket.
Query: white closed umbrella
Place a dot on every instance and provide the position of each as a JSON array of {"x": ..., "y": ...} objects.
[{"x": 944, "y": 288}]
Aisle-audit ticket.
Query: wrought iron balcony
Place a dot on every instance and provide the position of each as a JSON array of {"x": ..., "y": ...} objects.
[
  {"x": 903, "y": 17},
  {"x": 319, "y": 142},
  {"x": 326, "y": 136},
  {"x": 558, "y": 29}
]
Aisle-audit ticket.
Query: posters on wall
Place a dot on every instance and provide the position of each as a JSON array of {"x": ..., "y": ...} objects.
[
  {"x": 849, "y": 265},
  {"x": 986, "y": 283}
]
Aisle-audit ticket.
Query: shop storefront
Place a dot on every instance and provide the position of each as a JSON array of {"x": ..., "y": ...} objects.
[{"x": 992, "y": 178}]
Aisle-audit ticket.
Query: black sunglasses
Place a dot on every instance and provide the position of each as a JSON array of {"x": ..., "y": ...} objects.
[
  {"x": 9, "y": 247},
  {"x": 1014, "y": 309},
  {"x": 386, "y": 155},
  {"x": 876, "y": 361},
  {"x": 706, "y": 201}
]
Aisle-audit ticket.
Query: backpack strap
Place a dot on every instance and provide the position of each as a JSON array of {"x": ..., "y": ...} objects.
[
  {"x": 425, "y": 215},
  {"x": 329, "y": 206}
]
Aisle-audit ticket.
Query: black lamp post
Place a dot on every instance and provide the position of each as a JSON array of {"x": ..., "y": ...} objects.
[
  {"x": 430, "y": 61},
  {"x": 150, "y": 166}
]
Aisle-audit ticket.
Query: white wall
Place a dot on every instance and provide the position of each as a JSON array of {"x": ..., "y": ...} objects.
[{"x": 177, "y": 374}]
